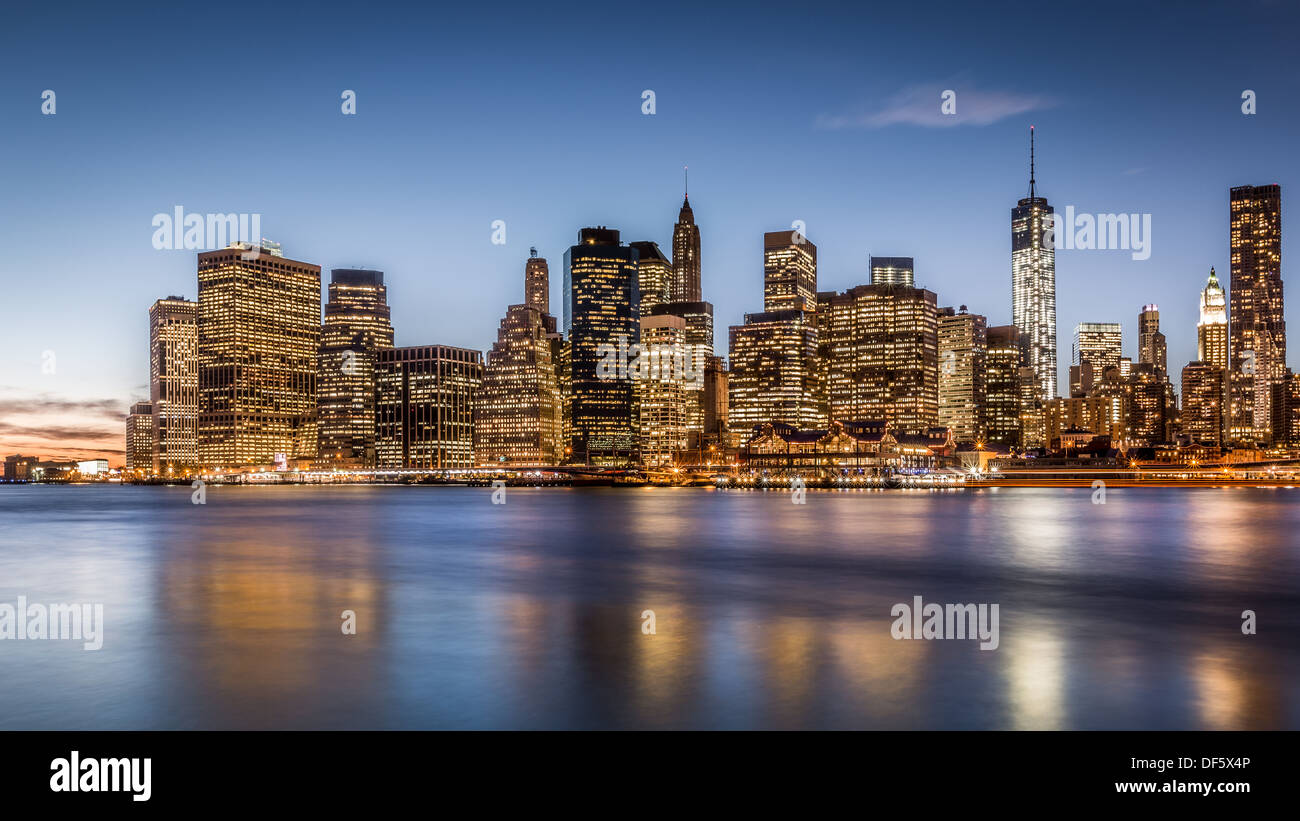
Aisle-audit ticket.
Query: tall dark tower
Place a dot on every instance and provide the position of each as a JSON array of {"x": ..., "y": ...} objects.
[
  {"x": 537, "y": 282},
  {"x": 1033, "y": 284},
  {"x": 601, "y": 308},
  {"x": 1257, "y": 328},
  {"x": 686, "y": 256}
]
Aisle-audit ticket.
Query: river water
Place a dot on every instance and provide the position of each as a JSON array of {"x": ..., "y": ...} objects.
[{"x": 766, "y": 614}]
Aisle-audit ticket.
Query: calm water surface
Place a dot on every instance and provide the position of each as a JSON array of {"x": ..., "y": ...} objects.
[{"x": 769, "y": 614}]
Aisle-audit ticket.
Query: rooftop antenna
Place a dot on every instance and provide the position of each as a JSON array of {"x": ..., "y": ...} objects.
[
  {"x": 1031, "y": 162},
  {"x": 686, "y": 173},
  {"x": 532, "y": 252}
]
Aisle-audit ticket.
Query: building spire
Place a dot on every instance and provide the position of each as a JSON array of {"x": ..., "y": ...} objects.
[
  {"x": 686, "y": 175},
  {"x": 1031, "y": 162}
]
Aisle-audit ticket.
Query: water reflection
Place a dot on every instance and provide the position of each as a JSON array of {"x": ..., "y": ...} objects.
[{"x": 767, "y": 614}]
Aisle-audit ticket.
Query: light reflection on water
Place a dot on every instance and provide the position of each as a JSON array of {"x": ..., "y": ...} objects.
[{"x": 769, "y": 615}]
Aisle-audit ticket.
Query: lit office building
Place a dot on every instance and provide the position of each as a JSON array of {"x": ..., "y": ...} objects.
[
  {"x": 259, "y": 322},
  {"x": 139, "y": 438},
  {"x": 1002, "y": 386},
  {"x": 1099, "y": 345},
  {"x": 963, "y": 351},
  {"x": 775, "y": 373},
  {"x": 424, "y": 407},
  {"x": 517, "y": 413},
  {"x": 1100, "y": 415},
  {"x": 564, "y": 375},
  {"x": 357, "y": 326},
  {"x": 1033, "y": 420},
  {"x": 1286, "y": 411},
  {"x": 174, "y": 385},
  {"x": 789, "y": 272},
  {"x": 662, "y": 395},
  {"x": 1205, "y": 391},
  {"x": 601, "y": 302},
  {"x": 1151, "y": 406},
  {"x": 1212, "y": 328},
  {"x": 880, "y": 351},
  {"x": 1258, "y": 325},
  {"x": 654, "y": 275},
  {"x": 1152, "y": 347},
  {"x": 698, "y": 347},
  {"x": 1033, "y": 284},
  {"x": 537, "y": 283},
  {"x": 892, "y": 271}
]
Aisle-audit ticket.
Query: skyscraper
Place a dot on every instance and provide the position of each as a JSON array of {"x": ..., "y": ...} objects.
[
  {"x": 1212, "y": 329},
  {"x": 1033, "y": 283},
  {"x": 602, "y": 315},
  {"x": 537, "y": 283},
  {"x": 1002, "y": 386},
  {"x": 686, "y": 257},
  {"x": 1099, "y": 345},
  {"x": 1033, "y": 419},
  {"x": 1150, "y": 406},
  {"x": 662, "y": 395},
  {"x": 1205, "y": 391},
  {"x": 963, "y": 349},
  {"x": 776, "y": 375},
  {"x": 259, "y": 322},
  {"x": 685, "y": 299},
  {"x": 139, "y": 438},
  {"x": 789, "y": 272},
  {"x": 1257, "y": 324},
  {"x": 879, "y": 349},
  {"x": 517, "y": 413},
  {"x": 1152, "y": 348},
  {"x": 357, "y": 325},
  {"x": 1207, "y": 411},
  {"x": 1286, "y": 411},
  {"x": 698, "y": 349},
  {"x": 654, "y": 276},
  {"x": 892, "y": 271},
  {"x": 424, "y": 406},
  {"x": 173, "y": 386}
]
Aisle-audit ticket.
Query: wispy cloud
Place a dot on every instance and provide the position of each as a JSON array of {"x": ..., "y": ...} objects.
[
  {"x": 44, "y": 404},
  {"x": 920, "y": 106}
]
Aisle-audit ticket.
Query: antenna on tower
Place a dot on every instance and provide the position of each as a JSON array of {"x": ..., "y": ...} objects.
[
  {"x": 1031, "y": 162},
  {"x": 686, "y": 175},
  {"x": 532, "y": 252}
]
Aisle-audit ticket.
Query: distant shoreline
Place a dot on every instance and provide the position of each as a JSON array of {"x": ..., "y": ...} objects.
[{"x": 779, "y": 486}]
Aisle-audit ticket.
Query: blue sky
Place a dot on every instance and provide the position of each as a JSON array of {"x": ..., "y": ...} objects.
[{"x": 531, "y": 114}]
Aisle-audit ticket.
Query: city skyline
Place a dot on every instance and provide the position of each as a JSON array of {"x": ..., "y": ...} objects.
[
  {"x": 867, "y": 157},
  {"x": 1124, "y": 335}
]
